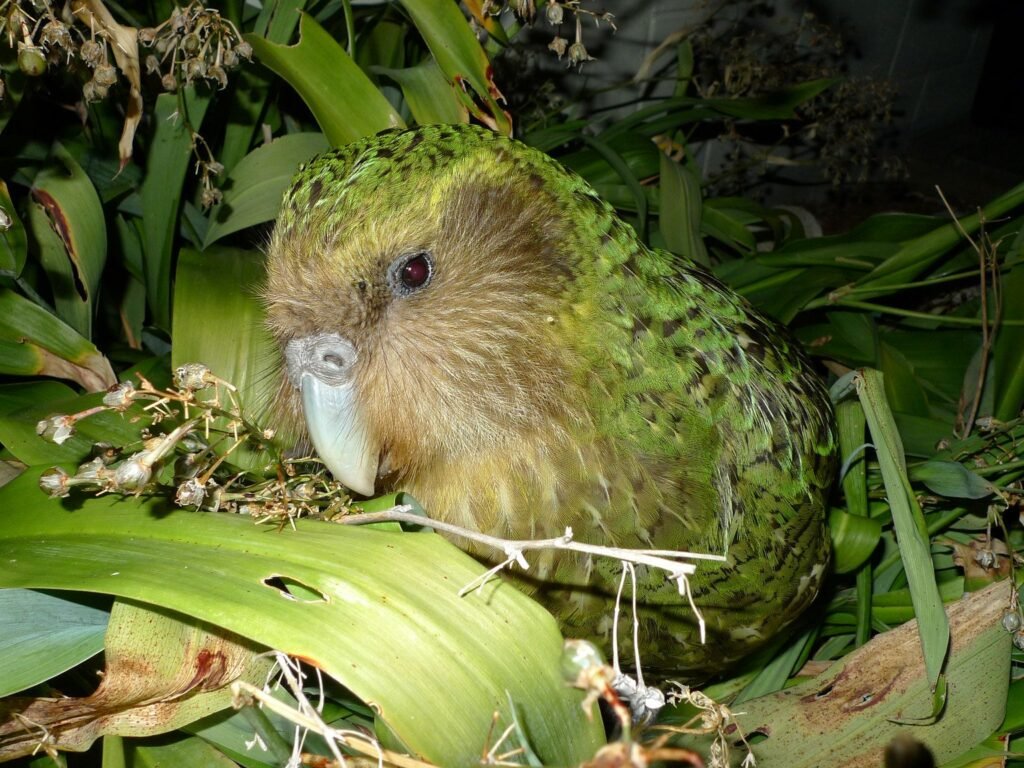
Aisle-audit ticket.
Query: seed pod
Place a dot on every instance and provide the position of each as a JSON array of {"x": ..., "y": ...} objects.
[
  {"x": 194, "y": 69},
  {"x": 91, "y": 52},
  {"x": 132, "y": 474},
  {"x": 120, "y": 396},
  {"x": 192, "y": 376},
  {"x": 55, "y": 35},
  {"x": 105, "y": 76},
  {"x": 554, "y": 13},
  {"x": 54, "y": 482},
  {"x": 217, "y": 73},
  {"x": 57, "y": 428},
  {"x": 1011, "y": 621},
  {"x": 580, "y": 661},
  {"x": 190, "y": 493},
  {"x": 578, "y": 53},
  {"x": 31, "y": 60}
]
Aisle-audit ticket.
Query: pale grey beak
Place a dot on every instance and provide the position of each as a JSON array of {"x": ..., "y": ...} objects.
[{"x": 321, "y": 368}]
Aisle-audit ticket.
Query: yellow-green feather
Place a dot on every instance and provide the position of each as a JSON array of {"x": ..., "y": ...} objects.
[{"x": 674, "y": 415}]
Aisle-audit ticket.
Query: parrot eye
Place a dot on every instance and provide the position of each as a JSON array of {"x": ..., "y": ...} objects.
[{"x": 411, "y": 272}]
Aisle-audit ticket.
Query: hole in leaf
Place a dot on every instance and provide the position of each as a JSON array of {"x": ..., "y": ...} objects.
[
  {"x": 823, "y": 692},
  {"x": 295, "y": 590},
  {"x": 756, "y": 736}
]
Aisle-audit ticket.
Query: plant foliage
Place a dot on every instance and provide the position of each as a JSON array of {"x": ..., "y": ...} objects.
[{"x": 145, "y": 154}]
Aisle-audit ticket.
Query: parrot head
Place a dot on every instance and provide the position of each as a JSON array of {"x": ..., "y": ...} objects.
[{"x": 416, "y": 285}]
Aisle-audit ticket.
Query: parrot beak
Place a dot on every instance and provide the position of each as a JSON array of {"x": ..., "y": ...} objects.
[{"x": 321, "y": 367}]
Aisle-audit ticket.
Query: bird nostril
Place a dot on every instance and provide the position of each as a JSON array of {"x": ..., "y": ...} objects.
[{"x": 336, "y": 360}]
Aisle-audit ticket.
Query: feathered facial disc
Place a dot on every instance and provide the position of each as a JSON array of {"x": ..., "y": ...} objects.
[{"x": 416, "y": 282}]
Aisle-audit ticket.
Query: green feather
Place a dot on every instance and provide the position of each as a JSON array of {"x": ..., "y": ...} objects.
[{"x": 670, "y": 414}]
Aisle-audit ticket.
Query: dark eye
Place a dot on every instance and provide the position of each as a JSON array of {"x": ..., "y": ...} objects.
[{"x": 411, "y": 272}]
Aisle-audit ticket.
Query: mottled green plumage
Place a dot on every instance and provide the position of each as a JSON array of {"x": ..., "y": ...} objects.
[{"x": 556, "y": 372}]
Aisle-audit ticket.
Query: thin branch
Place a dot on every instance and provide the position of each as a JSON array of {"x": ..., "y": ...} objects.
[{"x": 513, "y": 548}]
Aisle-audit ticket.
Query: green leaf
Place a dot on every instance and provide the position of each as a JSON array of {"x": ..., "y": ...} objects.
[
  {"x": 952, "y": 479},
  {"x": 902, "y": 389},
  {"x": 854, "y": 538},
  {"x": 461, "y": 59},
  {"x": 681, "y": 209},
  {"x": 133, "y": 301},
  {"x": 916, "y": 255},
  {"x": 13, "y": 243},
  {"x": 23, "y": 405},
  {"x": 849, "y": 712},
  {"x": 1007, "y": 360},
  {"x": 390, "y": 602},
  {"x": 431, "y": 98},
  {"x": 773, "y": 676},
  {"x": 186, "y": 752},
  {"x": 34, "y": 342},
  {"x": 175, "y": 117},
  {"x": 253, "y": 190},
  {"x": 723, "y": 226},
  {"x": 162, "y": 671},
  {"x": 250, "y": 86},
  {"x": 44, "y": 634},
  {"x": 344, "y": 101},
  {"x": 66, "y": 217},
  {"x": 777, "y": 105},
  {"x": 854, "y": 552},
  {"x": 911, "y": 531},
  {"x": 219, "y": 322}
]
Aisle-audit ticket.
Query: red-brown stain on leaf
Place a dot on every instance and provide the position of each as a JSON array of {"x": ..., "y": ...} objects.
[
  {"x": 211, "y": 669},
  {"x": 870, "y": 699},
  {"x": 60, "y": 222},
  {"x": 63, "y": 229},
  {"x": 495, "y": 92}
]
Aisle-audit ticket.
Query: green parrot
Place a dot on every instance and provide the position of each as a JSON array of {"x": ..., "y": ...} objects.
[{"x": 463, "y": 319}]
